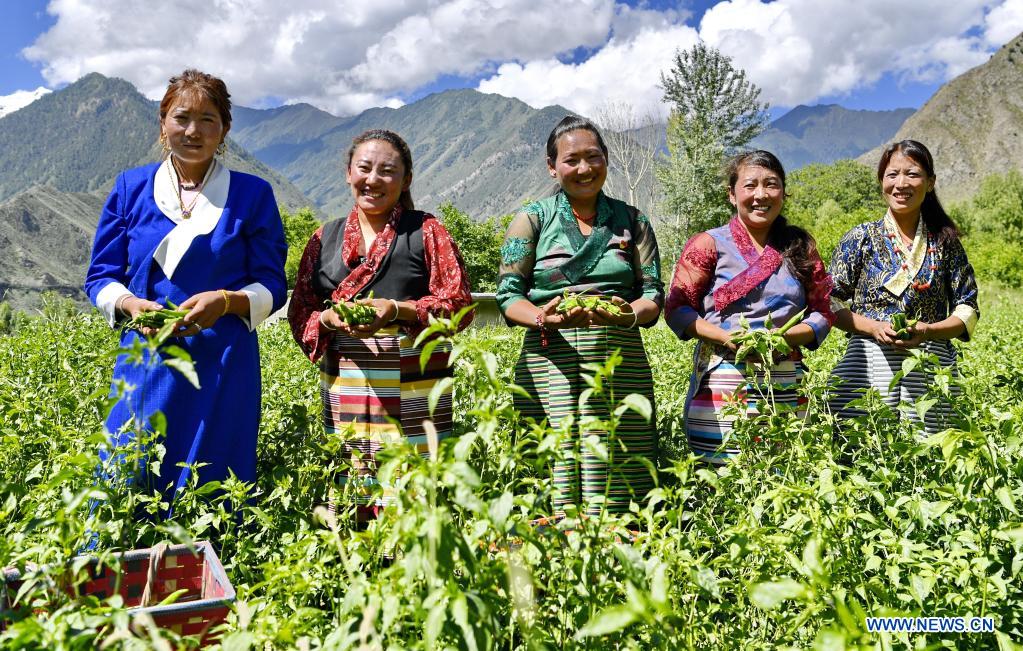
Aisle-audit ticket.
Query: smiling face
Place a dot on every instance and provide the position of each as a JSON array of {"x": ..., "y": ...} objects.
[
  {"x": 905, "y": 184},
  {"x": 377, "y": 176},
  {"x": 193, "y": 129},
  {"x": 758, "y": 195},
  {"x": 581, "y": 166}
]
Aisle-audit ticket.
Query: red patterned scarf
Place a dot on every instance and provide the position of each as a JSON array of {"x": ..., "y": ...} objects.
[{"x": 362, "y": 274}]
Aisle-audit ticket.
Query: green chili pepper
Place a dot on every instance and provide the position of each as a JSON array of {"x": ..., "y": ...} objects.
[
  {"x": 587, "y": 302},
  {"x": 901, "y": 325},
  {"x": 354, "y": 313}
]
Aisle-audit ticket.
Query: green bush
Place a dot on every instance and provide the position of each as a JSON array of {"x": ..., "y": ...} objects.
[
  {"x": 479, "y": 242},
  {"x": 298, "y": 228}
]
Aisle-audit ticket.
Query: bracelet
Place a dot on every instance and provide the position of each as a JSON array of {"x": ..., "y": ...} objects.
[
  {"x": 324, "y": 324},
  {"x": 397, "y": 310},
  {"x": 227, "y": 301},
  {"x": 119, "y": 305},
  {"x": 542, "y": 328},
  {"x": 635, "y": 319}
]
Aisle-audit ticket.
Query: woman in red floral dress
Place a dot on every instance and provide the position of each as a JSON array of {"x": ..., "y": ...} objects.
[
  {"x": 755, "y": 267},
  {"x": 371, "y": 383}
]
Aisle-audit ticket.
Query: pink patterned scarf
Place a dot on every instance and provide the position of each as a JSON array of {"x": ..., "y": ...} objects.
[{"x": 761, "y": 266}]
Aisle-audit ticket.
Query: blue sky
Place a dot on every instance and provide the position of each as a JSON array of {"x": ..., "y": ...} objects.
[{"x": 861, "y": 55}]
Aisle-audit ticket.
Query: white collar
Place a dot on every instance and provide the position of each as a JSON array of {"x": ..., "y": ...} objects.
[{"x": 206, "y": 212}]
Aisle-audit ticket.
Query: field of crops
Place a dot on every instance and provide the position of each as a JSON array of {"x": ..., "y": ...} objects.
[{"x": 792, "y": 546}]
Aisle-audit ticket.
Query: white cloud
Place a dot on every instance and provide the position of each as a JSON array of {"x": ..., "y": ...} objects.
[
  {"x": 622, "y": 71},
  {"x": 1004, "y": 23},
  {"x": 20, "y": 99},
  {"x": 342, "y": 56},
  {"x": 799, "y": 50},
  {"x": 350, "y": 55}
]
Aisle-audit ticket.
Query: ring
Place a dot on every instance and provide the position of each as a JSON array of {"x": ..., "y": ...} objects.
[{"x": 198, "y": 328}]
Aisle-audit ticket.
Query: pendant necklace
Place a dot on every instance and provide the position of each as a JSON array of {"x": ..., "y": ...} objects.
[
  {"x": 186, "y": 211},
  {"x": 904, "y": 259}
]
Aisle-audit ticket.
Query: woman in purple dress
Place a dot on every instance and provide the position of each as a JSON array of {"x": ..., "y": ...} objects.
[{"x": 756, "y": 266}]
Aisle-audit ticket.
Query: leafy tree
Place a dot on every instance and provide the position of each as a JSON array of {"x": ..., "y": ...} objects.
[
  {"x": 632, "y": 141},
  {"x": 715, "y": 110},
  {"x": 479, "y": 242},
  {"x": 992, "y": 221},
  {"x": 298, "y": 228},
  {"x": 997, "y": 208},
  {"x": 850, "y": 185},
  {"x": 828, "y": 200}
]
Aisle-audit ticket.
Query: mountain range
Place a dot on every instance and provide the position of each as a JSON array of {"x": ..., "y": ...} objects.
[
  {"x": 60, "y": 154},
  {"x": 80, "y": 138},
  {"x": 973, "y": 125},
  {"x": 828, "y": 132},
  {"x": 482, "y": 152}
]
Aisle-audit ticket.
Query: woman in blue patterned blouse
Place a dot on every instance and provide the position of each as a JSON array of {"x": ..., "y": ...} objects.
[{"x": 912, "y": 262}]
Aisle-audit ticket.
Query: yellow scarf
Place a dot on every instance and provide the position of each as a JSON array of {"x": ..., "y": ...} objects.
[{"x": 909, "y": 266}]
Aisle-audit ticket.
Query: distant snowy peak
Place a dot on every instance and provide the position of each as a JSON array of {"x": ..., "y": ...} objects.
[{"x": 20, "y": 99}]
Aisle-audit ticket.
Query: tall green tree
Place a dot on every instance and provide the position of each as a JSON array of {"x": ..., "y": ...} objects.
[
  {"x": 479, "y": 242},
  {"x": 298, "y": 227},
  {"x": 715, "y": 110}
]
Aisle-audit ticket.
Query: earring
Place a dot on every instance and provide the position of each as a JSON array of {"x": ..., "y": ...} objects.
[
  {"x": 163, "y": 143},
  {"x": 222, "y": 148}
]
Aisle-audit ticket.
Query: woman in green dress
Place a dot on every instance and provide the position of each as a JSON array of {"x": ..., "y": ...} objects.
[{"x": 581, "y": 241}]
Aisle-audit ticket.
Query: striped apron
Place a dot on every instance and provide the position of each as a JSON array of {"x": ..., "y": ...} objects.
[
  {"x": 553, "y": 377},
  {"x": 867, "y": 364},
  {"x": 720, "y": 393},
  {"x": 374, "y": 392}
]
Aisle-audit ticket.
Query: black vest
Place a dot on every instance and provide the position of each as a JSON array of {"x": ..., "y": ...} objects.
[{"x": 402, "y": 273}]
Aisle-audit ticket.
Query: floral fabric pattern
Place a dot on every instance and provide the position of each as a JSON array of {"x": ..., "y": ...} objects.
[
  {"x": 514, "y": 249},
  {"x": 865, "y": 260},
  {"x": 448, "y": 282}
]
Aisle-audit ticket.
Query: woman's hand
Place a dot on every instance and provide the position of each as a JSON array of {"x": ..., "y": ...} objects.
[
  {"x": 134, "y": 306},
  {"x": 918, "y": 333},
  {"x": 626, "y": 318},
  {"x": 577, "y": 317},
  {"x": 204, "y": 309},
  {"x": 385, "y": 314},
  {"x": 882, "y": 332},
  {"x": 332, "y": 321}
]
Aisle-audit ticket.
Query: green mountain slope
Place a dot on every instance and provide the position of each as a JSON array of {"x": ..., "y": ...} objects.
[
  {"x": 45, "y": 240},
  {"x": 79, "y": 138},
  {"x": 483, "y": 152},
  {"x": 973, "y": 125}
]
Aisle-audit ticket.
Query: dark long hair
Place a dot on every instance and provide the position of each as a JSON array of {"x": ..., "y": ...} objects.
[
  {"x": 400, "y": 145},
  {"x": 795, "y": 244},
  {"x": 937, "y": 220}
]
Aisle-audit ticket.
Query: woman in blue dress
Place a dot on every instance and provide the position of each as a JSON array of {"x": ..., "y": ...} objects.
[{"x": 189, "y": 231}]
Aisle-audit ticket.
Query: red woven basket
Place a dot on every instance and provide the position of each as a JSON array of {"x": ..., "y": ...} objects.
[{"x": 206, "y": 602}]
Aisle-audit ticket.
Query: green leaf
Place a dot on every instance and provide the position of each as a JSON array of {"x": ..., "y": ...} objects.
[
  {"x": 924, "y": 405},
  {"x": 500, "y": 508},
  {"x": 183, "y": 365},
  {"x": 443, "y": 386},
  {"x": 769, "y": 595},
  {"x": 607, "y": 621},
  {"x": 1005, "y": 498},
  {"x": 812, "y": 557},
  {"x": 460, "y": 612},
  {"x": 637, "y": 403}
]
